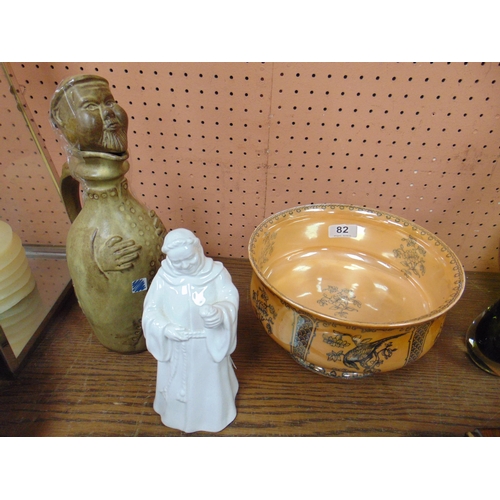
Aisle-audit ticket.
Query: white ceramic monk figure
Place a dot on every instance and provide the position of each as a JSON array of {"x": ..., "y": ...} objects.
[{"x": 189, "y": 322}]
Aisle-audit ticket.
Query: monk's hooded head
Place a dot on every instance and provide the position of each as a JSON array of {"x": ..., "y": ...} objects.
[{"x": 87, "y": 115}]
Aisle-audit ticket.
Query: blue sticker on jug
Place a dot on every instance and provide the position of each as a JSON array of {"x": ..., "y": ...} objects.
[{"x": 139, "y": 285}]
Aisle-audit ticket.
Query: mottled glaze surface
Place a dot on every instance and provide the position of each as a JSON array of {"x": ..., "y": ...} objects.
[
  {"x": 114, "y": 244},
  {"x": 351, "y": 291}
]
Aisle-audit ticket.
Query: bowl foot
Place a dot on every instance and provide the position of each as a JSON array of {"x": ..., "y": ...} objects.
[{"x": 328, "y": 373}]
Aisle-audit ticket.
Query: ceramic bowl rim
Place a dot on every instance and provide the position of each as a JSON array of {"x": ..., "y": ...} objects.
[{"x": 457, "y": 268}]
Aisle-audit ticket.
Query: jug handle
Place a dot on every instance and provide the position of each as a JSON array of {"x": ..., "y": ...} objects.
[{"x": 70, "y": 192}]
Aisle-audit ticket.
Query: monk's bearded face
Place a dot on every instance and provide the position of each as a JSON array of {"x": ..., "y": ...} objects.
[
  {"x": 91, "y": 120},
  {"x": 114, "y": 140}
]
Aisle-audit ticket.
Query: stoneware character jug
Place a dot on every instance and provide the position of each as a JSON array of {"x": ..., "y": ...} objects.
[{"x": 114, "y": 243}]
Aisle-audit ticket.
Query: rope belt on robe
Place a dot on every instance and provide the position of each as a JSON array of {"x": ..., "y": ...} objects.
[{"x": 181, "y": 364}]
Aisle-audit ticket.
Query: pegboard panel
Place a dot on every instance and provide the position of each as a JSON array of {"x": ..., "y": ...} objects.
[
  {"x": 198, "y": 137},
  {"x": 29, "y": 200},
  {"x": 418, "y": 140},
  {"x": 218, "y": 147}
]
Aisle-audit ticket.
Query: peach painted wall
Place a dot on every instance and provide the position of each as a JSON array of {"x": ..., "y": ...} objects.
[{"x": 218, "y": 147}]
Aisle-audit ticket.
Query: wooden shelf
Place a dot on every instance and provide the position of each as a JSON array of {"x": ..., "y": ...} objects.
[{"x": 73, "y": 386}]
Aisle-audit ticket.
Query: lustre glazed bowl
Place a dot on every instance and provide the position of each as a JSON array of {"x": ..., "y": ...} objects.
[{"x": 349, "y": 291}]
